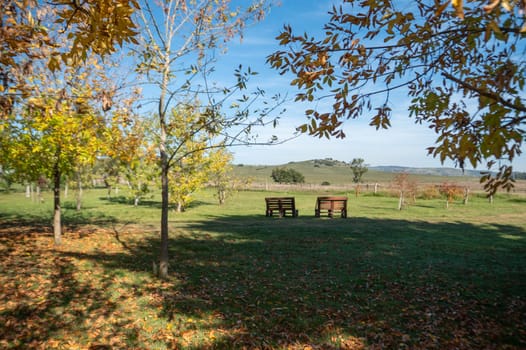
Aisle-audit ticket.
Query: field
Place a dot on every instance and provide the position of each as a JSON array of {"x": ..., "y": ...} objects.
[{"x": 425, "y": 277}]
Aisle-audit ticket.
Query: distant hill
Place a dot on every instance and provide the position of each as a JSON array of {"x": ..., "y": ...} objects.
[
  {"x": 426, "y": 171},
  {"x": 334, "y": 171}
]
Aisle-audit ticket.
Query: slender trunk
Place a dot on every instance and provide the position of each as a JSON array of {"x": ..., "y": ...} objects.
[
  {"x": 466, "y": 196},
  {"x": 79, "y": 193},
  {"x": 163, "y": 259},
  {"x": 66, "y": 189},
  {"x": 57, "y": 225},
  {"x": 136, "y": 201},
  {"x": 180, "y": 207},
  {"x": 401, "y": 200},
  {"x": 165, "y": 167},
  {"x": 28, "y": 191},
  {"x": 39, "y": 194}
]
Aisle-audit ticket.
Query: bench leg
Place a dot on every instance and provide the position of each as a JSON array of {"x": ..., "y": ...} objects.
[
  {"x": 344, "y": 213},
  {"x": 317, "y": 213}
]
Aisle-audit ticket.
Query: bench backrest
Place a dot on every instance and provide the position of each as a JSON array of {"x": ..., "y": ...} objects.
[
  {"x": 280, "y": 202},
  {"x": 333, "y": 203}
]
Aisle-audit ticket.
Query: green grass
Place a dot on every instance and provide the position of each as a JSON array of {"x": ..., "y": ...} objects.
[{"x": 424, "y": 277}]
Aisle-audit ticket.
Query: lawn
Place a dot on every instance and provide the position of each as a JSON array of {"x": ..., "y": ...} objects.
[{"x": 425, "y": 277}]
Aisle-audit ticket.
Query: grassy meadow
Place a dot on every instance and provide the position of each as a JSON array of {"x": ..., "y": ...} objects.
[{"x": 425, "y": 277}]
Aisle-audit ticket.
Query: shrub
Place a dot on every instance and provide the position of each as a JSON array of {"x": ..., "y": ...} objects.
[
  {"x": 287, "y": 175},
  {"x": 325, "y": 183},
  {"x": 430, "y": 192}
]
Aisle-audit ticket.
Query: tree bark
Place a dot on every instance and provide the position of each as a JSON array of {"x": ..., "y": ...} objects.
[
  {"x": 165, "y": 167},
  {"x": 57, "y": 224},
  {"x": 163, "y": 259}
]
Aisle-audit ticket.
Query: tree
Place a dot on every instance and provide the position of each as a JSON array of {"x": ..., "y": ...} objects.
[
  {"x": 220, "y": 174},
  {"x": 450, "y": 191},
  {"x": 287, "y": 175},
  {"x": 56, "y": 126},
  {"x": 176, "y": 56},
  {"x": 462, "y": 69},
  {"x": 406, "y": 186},
  {"x": 54, "y": 133},
  {"x": 358, "y": 169}
]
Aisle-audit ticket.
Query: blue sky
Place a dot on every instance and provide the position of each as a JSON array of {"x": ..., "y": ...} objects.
[{"x": 404, "y": 144}]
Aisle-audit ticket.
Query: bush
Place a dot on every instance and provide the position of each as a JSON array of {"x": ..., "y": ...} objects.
[
  {"x": 325, "y": 183},
  {"x": 287, "y": 175},
  {"x": 430, "y": 192}
]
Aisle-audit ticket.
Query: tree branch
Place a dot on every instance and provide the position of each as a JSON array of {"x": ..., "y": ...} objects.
[{"x": 487, "y": 94}]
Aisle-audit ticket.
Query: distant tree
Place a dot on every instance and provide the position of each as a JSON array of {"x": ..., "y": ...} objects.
[
  {"x": 406, "y": 187},
  {"x": 450, "y": 191},
  {"x": 358, "y": 169},
  {"x": 287, "y": 175},
  {"x": 220, "y": 174}
]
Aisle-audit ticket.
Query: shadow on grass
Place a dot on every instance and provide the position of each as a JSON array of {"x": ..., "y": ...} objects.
[
  {"x": 147, "y": 203},
  {"x": 331, "y": 284},
  {"x": 44, "y": 221}
]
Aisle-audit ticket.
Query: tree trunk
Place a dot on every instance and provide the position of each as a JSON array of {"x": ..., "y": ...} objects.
[
  {"x": 466, "y": 196},
  {"x": 136, "y": 201},
  {"x": 79, "y": 193},
  {"x": 28, "y": 191},
  {"x": 401, "y": 200},
  {"x": 163, "y": 259},
  {"x": 57, "y": 225}
]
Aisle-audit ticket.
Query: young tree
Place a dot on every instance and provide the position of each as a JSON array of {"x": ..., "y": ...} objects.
[
  {"x": 358, "y": 169},
  {"x": 220, "y": 174},
  {"x": 176, "y": 53},
  {"x": 405, "y": 186},
  {"x": 57, "y": 125},
  {"x": 463, "y": 69},
  {"x": 450, "y": 191}
]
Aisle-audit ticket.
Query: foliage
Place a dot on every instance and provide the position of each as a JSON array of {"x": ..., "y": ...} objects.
[
  {"x": 462, "y": 69},
  {"x": 99, "y": 27},
  {"x": 287, "y": 175},
  {"x": 450, "y": 191},
  {"x": 358, "y": 169}
]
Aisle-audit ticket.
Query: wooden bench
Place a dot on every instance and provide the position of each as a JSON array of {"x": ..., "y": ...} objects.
[
  {"x": 281, "y": 205},
  {"x": 331, "y": 205}
]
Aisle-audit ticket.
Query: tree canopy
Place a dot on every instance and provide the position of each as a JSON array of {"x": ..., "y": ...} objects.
[{"x": 463, "y": 68}]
